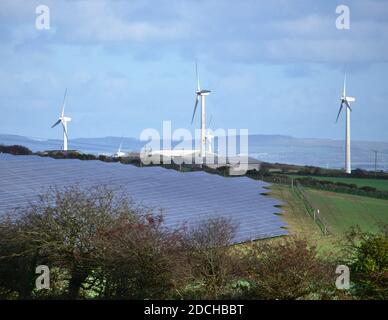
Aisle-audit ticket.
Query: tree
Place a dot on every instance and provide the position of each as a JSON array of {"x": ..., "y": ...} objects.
[
  {"x": 139, "y": 257},
  {"x": 17, "y": 262},
  {"x": 101, "y": 243},
  {"x": 209, "y": 259},
  {"x": 287, "y": 270},
  {"x": 369, "y": 263},
  {"x": 15, "y": 149},
  {"x": 62, "y": 228}
]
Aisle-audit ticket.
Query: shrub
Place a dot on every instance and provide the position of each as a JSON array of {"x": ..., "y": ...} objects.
[
  {"x": 15, "y": 149},
  {"x": 288, "y": 270},
  {"x": 210, "y": 264},
  {"x": 139, "y": 257},
  {"x": 369, "y": 264}
]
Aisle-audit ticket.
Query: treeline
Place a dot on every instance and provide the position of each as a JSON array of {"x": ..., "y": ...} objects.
[
  {"x": 271, "y": 172},
  {"x": 15, "y": 149},
  {"x": 314, "y": 182},
  {"x": 288, "y": 169},
  {"x": 349, "y": 188},
  {"x": 99, "y": 245},
  {"x": 130, "y": 159}
]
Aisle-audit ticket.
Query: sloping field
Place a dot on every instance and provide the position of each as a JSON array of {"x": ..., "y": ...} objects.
[{"x": 342, "y": 211}]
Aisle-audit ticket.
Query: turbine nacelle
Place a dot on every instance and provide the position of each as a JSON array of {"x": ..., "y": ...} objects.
[
  {"x": 203, "y": 92},
  {"x": 345, "y": 100},
  {"x": 66, "y": 119}
]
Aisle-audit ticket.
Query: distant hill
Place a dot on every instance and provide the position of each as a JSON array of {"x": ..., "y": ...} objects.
[{"x": 270, "y": 148}]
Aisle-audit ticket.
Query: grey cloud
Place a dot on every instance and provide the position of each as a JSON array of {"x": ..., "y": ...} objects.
[{"x": 248, "y": 31}]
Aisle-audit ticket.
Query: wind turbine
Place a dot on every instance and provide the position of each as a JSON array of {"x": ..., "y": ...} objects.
[
  {"x": 201, "y": 93},
  {"x": 64, "y": 120},
  {"x": 345, "y": 100},
  {"x": 209, "y": 136},
  {"x": 119, "y": 153}
]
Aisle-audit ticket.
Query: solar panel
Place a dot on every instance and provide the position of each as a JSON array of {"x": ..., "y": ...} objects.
[{"x": 187, "y": 197}]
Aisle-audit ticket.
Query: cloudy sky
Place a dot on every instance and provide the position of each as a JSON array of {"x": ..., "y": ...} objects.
[{"x": 274, "y": 67}]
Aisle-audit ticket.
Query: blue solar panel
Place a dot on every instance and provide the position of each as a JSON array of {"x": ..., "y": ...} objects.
[{"x": 183, "y": 197}]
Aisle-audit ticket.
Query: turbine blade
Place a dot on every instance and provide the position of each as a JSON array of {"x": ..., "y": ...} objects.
[
  {"x": 64, "y": 103},
  {"x": 339, "y": 112},
  {"x": 65, "y": 131},
  {"x": 195, "y": 108},
  {"x": 344, "y": 92},
  {"x": 56, "y": 123},
  {"x": 197, "y": 75},
  {"x": 348, "y": 105}
]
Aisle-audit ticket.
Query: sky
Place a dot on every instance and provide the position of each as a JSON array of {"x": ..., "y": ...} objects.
[{"x": 274, "y": 67}]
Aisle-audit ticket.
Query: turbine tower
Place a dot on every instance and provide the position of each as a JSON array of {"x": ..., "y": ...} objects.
[
  {"x": 345, "y": 100},
  {"x": 63, "y": 120},
  {"x": 201, "y": 93}
]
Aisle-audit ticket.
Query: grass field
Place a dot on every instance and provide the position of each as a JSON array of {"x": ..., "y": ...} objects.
[
  {"x": 299, "y": 221},
  {"x": 341, "y": 211},
  {"x": 375, "y": 183}
]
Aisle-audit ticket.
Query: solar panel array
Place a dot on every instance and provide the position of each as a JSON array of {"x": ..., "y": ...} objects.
[{"x": 187, "y": 197}]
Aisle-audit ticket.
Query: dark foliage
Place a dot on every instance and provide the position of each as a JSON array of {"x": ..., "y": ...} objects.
[
  {"x": 343, "y": 187},
  {"x": 369, "y": 263},
  {"x": 209, "y": 261},
  {"x": 288, "y": 270},
  {"x": 15, "y": 149}
]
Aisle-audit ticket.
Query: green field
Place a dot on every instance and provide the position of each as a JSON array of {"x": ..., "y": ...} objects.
[
  {"x": 341, "y": 211},
  {"x": 379, "y": 184},
  {"x": 338, "y": 211},
  {"x": 300, "y": 222}
]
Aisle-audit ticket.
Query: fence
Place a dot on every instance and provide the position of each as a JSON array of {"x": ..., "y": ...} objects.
[{"x": 313, "y": 212}]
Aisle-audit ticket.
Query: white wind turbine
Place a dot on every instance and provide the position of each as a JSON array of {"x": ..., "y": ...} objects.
[
  {"x": 346, "y": 100},
  {"x": 119, "y": 153},
  {"x": 209, "y": 136},
  {"x": 202, "y": 94},
  {"x": 64, "y": 120}
]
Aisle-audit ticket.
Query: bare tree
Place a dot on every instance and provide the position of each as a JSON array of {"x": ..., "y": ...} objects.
[
  {"x": 289, "y": 269},
  {"x": 139, "y": 257},
  {"x": 209, "y": 258}
]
